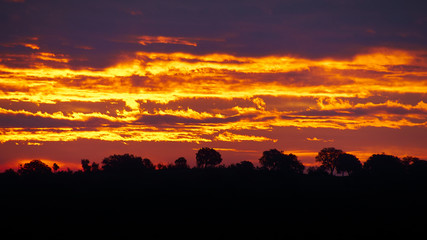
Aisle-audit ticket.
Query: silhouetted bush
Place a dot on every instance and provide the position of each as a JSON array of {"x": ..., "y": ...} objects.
[
  {"x": 85, "y": 165},
  {"x": 207, "y": 157},
  {"x": 348, "y": 163},
  {"x": 126, "y": 163},
  {"x": 89, "y": 168},
  {"x": 55, "y": 167},
  {"x": 384, "y": 165},
  {"x": 278, "y": 161},
  {"x": 415, "y": 166},
  {"x": 35, "y": 167},
  {"x": 10, "y": 173},
  {"x": 328, "y": 157},
  {"x": 408, "y": 160},
  {"x": 243, "y": 165},
  {"x": 317, "y": 171},
  {"x": 234, "y": 196},
  {"x": 181, "y": 163}
]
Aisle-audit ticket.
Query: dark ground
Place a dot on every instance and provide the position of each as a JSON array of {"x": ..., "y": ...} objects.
[{"x": 213, "y": 203}]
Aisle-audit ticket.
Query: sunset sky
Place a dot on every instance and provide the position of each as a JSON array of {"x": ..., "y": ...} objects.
[{"x": 161, "y": 79}]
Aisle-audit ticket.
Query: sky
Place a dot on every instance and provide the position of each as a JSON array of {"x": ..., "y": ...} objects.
[{"x": 162, "y": 79}]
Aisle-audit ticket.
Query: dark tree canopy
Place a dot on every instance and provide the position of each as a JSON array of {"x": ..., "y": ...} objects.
[
  {"x": 207, "y": 157},
  {"x": 35, "y": 167},
  {"x": 317, "y": 171},
  {"x": 418, "y": 168},
  {"x": 244, "y": 165},
  {"x": 55, "y": 167},
  {"x": 85, "y": 165},
  {"x": 409, "y": 160},
  {"x": 332, "y": 161},
  {"x": 384, "y": 165},
  {"x": 94, "y": 167},
  {"x": 277, "y": 160},
  {"x": 270, "y": 159},
  {"x": 89, "y": 168},
  {"x": 328, "y": 157},
  {"x": 348, "y": 163},
  {"x": 415, "y": 166},
  {"x": 126, "y": 163},
  {"x": 147, "y": 164},
  {"x": 181, "y": 163}
]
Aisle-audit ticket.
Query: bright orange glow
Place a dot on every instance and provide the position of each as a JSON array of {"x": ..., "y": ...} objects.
[
  {"x": 63, "y": 166},
  {"x": 51, "y": 57},
  {"x": 158, "y": 92},
  {"x": 315, "y": 139},
  {"x": 32, "y": 46}
]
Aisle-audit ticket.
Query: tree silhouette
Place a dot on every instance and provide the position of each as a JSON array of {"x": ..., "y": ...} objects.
[
  {"x": 384, "y": 165},
  {"x": 35, "y": 167},
  {"x": 270, "y": 159},
  {"x": 327, "y": 157},
  {"x": 85, "y": 165},
  {"x": 418, "y": 168},
  {"x": 55, "y": 167},
  {"x": 10, "y": 172},
  {"x": 89, "y": 168},
  {"x": 94, "y": 167},
  {"x": 348, "y": 163},
  {"x": 274, "y": 159},
  {"x": 207, "y": 157},
  {"x": 243, "y": 165},
  {"x": 181, "y": 163},
  {"x": 415, "y": 166},
  {"x": 291, "y": 164},
  {"x": 161, "y": 166},
  {"x": 147, "y": 164},
  {"x": 409, "y": 160},
  {"x": 126, "y": 163},
  {"x": 317, "y": 171}
]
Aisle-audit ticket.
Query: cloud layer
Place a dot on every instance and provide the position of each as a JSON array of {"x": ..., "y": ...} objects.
[
  {"x": 200, "y": 98},
  {"x": 210, "y": 72}
]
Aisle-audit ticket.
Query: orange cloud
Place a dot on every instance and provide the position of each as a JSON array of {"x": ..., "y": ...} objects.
[
  {"x": 259, "y": 93},
  {"x": 52, "y": 57},
  {"x": 315, "y": 139},
  {"x": 32, "y": 46},
  {"x": 144, "y": 40},
  {"x": 62, "y": 165},
  {"x": 230, "y": 137}
]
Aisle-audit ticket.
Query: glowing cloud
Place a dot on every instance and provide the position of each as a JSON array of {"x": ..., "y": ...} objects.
[
  {"x": 144, "y": 40},
  {"x": 315, "y": 139},
  {"x": 160, "y": 95}
]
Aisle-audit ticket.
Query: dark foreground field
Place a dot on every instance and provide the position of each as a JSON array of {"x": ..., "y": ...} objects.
[{"x": 212, "y": 203}]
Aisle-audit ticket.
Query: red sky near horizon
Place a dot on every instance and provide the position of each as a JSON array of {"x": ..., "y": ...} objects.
[{"x": 160, "y": 79}]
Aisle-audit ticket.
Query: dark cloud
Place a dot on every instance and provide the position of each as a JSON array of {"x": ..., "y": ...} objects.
[
  {"x": 29, "y": 121},
  {"x": 377, "y": 97},
  {"x": 199, "y": 104},
  {"x": 225, "y": 106},
  {"x": 314, "y": 76},
  {"x": 21, "y": 120},
  {"x": 375, "y": 111},
  {"x": 95, "y": 33},
  {"x": 171, "y": 120},
  {"x": 13, "y": 88},
  {"x": 288, "y": 103},
  {"x": 108, "y": 108}
]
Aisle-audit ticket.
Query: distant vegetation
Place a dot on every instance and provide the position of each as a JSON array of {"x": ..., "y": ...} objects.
[
  {"x": 332, "y": 161},
  {"x": 127, "y": 196}
]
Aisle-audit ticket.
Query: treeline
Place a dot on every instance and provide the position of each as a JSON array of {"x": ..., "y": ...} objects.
[
  {"x": 124, "y": 196},
  {"x": 331, "y": 161}
]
